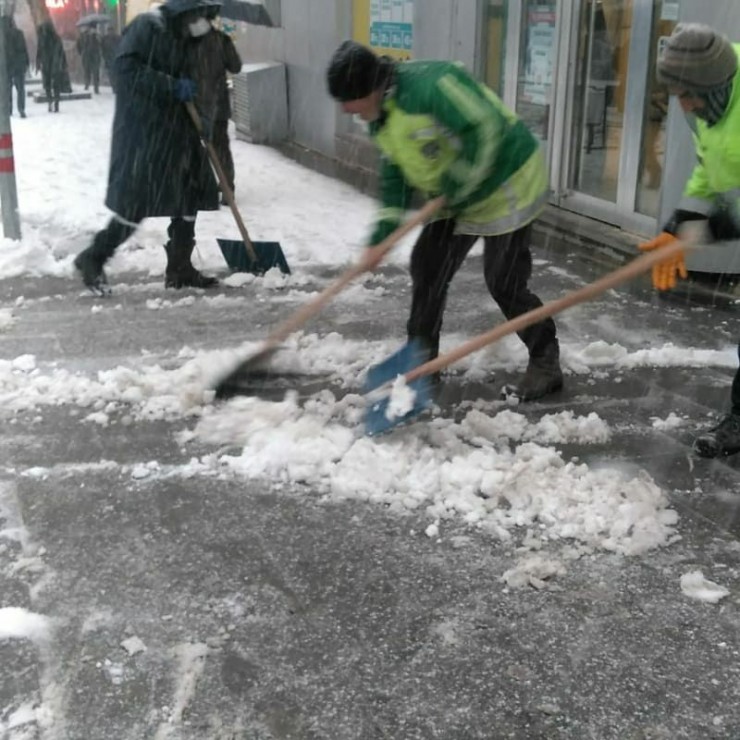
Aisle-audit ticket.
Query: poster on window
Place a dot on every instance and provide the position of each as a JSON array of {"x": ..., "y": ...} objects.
[
  {"x": 539, "y": 50},
  {"x": 392, "y": 27}
]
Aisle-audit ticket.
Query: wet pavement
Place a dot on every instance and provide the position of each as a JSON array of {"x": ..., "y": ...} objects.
[{"x": 269, "y": 614}]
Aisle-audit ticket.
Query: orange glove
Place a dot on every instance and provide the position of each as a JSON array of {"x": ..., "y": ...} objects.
[{"x": 664, "y": 273}]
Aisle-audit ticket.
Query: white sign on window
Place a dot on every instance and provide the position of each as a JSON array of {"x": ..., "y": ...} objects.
[
  {"x": 669, "y": 10},
  {"x": 392, "y": 24}
]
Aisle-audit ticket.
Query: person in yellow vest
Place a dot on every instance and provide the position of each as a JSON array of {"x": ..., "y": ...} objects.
[
  {"x": 700, "y": 66},
  {"x": 441, "y": 132}
]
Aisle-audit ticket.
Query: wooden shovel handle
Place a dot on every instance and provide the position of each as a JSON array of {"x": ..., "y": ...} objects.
[
  {"x": 310, "y": 309},
  {"x": 222, "y": 181},
  {"x": 629, "y": 271}
]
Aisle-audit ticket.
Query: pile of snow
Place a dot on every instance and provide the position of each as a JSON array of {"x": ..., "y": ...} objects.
[
  {"x": 464, "y": 471},
  {"x": 19, "y": 624}
]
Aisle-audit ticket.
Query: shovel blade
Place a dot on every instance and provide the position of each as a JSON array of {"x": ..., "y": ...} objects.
[
  {"x": 242, "y": 379},
  {"x": 377, "y": 414},
  {"x": 411, "y": 355},
  {"x": 378, "y": 420},
  {"x": 268, "y": 254}
]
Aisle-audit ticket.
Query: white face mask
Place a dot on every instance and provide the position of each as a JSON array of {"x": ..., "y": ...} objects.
[{"x": 200, "y": 27}]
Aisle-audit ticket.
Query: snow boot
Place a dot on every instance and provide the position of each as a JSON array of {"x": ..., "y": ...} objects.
[
  {"x": 180, "y": 272},
  {"x": 721, "y": 440},
  {"x": 89, "y": 264},
  {"x": 542, "y": 377}
]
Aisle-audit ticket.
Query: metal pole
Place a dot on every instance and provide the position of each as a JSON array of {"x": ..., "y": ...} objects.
[{"x": 8, "y": 191}]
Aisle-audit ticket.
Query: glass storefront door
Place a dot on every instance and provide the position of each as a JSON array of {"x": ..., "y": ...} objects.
[
  {"x": 652, "y": 159},
  {"x": 582, "y": 79},
  {"x": 611, "y": 44},
  {"x": 598, "y": 133}
]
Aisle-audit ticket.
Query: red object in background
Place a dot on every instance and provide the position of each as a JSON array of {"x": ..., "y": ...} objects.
[{"x": 65, "y": 14}]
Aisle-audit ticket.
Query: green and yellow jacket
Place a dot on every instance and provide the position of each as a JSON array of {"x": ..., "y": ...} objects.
[
  {"x": 715, "y": 182},
  {"x": 443, "y": 133}
]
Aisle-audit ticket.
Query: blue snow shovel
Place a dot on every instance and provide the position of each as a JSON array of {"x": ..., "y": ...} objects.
[
  {"x": 379, "y": 416},
  {"x": 239, "y": 381},
  {"x": 409, "y": 361},
  {"x": 245, "y": 255}
]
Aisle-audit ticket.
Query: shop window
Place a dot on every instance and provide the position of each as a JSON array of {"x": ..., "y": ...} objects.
[{"x": 536, "y": 65}]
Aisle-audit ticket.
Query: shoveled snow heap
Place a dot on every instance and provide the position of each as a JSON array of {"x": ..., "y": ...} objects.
[{"x": 465, "y": 470}]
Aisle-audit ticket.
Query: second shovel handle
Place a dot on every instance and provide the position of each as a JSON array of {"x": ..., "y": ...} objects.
[
  {"x": 222, "y": 181},
  {"x": 621, "y": 275}
]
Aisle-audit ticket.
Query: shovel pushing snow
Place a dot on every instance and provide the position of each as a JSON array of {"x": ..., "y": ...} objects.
[
  {"x": 240, "y": 380},
  {"x": 384, "y": 411},
  {"x": 246, "y": 255}
]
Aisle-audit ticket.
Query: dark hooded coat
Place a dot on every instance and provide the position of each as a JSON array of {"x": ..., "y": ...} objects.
[
  {"x": 50, "y": 57},
  {"x": 158, "y": 166}
]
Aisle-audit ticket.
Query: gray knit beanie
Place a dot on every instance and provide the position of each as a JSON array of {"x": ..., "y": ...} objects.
[{"x": 696, "y": 57}]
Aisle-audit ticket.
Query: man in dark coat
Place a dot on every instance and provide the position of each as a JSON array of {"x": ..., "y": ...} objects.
[
  {"x": 215, "y": 55},
  {"x": 88, "y": 47},
  {"x": 158, "y": 166},
  {"x": 16, "y": 59},
  {"x": 52, "y": 62}
]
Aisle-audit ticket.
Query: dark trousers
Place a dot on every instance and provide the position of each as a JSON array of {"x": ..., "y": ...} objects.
[
  {"x": 507, "y": 267},
  {"x": 92, "y": 74},
  {"x": 220, "y": 141},
  {"x": 19, "y": 82},
  {"x": 52, "y": 87},
  {"x": 735, "y": 398},
  {"x": 106, "y": 242}
]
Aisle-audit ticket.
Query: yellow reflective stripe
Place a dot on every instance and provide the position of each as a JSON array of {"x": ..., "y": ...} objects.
[
  {"x": 504, "y": 224},
  {"x": 425, "y": 133},
  {"x": 470, "y": 175}
]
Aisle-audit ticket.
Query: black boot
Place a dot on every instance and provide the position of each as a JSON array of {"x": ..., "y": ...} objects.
[
  {"x": 543, "y": 376},
  {"x": 721, "y": 440},
  {"x": 180, "y": 272},
  {"x": 89, "y": 264}
]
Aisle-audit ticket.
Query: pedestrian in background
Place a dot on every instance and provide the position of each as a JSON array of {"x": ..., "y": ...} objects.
[
  {"x": 215, "y": 55},
  {"x": 89, "y": 49},
  {"x": 700, "y": 67},
  {"x": 52, "y": 62},
  {"x": 158, "y": 166},
  {"x": 441, "y": 132},
  {"x": 17, "y": 62}
]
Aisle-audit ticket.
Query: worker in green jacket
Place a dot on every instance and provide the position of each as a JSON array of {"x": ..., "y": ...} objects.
[
  {"x": 700, "y": 66},
  {"x": 440, "y": 132}
]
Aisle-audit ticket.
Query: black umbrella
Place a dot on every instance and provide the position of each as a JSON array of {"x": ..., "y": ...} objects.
[
  {"x": 238, "y": 10},
  {"x": 93, "y": 19}
]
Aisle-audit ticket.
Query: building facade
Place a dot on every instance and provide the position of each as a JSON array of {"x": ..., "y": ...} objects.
[{"x": 579, "y": 72}]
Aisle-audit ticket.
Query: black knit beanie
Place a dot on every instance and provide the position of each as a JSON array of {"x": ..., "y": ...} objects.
[{"x": 355, "y": 71}]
